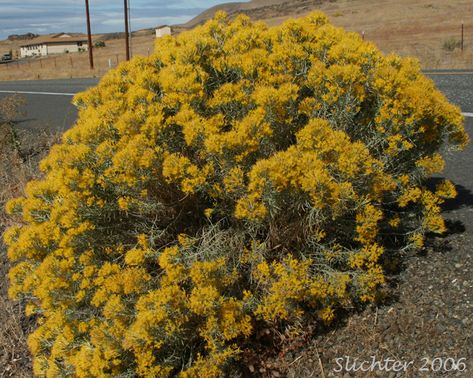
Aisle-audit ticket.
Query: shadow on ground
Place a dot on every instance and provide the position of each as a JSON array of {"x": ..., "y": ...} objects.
[{"x": 463, "y": 199}]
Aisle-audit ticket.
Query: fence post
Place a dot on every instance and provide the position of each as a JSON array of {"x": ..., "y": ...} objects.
[{"x": 462, "y": 38}]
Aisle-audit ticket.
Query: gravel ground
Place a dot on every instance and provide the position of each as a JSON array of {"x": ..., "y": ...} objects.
[{"x": 426, "y": 327}]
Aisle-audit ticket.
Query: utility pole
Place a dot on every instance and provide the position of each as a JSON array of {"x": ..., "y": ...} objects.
[
  {"x": 462, "y": 37},
  {"x": 89, "y": 36},
  {"x": 127, "y": 41},
  {"x": 130, "y": 27}
]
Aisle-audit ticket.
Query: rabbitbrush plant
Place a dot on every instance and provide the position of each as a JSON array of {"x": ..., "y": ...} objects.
[{"x": 240, "y": 176}]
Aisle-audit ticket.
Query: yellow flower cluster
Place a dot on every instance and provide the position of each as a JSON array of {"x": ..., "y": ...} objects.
[
  {"x": 290, "y": 285},
  {"x": 240, "y": 174},
  {"x": 190, "y": 303}
]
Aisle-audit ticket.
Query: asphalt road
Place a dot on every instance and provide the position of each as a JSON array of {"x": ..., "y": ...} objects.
[
  {"x": 48, "y": 102},
  {"x": 458, "y": 88}
]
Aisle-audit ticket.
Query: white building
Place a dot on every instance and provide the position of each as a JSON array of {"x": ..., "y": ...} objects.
[
  {"x": 56, "y": 44},
  {"x": 161, "y": 31}
]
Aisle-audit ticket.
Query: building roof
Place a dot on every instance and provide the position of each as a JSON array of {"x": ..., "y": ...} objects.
[{"x": 56, "y": 38}]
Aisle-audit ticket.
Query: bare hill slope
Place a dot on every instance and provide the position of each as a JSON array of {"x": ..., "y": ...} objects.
[
  {"x": 257, "y": 9},
  {"x": 427, "y": 29}
]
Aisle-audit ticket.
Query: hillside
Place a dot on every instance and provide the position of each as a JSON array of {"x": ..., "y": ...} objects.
[
  {"x": 252, "y": 8},
  {"x": 427, "y": 29},
  {"x": 259, "y": 9}
]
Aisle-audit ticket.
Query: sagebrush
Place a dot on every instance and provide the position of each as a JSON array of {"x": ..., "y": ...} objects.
[
  {"x": 19, "y": 157},
  {"x": 240, "y": 176}
]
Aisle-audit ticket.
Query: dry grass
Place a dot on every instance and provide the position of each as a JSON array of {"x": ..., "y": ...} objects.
[
  {"x": 18, "y": 165},
  {"x": 410, "y": 28},
  {"x": 75, "y": 65},
  {"x": 15, "y": 360},
  {"x": 404, "y": 27}
]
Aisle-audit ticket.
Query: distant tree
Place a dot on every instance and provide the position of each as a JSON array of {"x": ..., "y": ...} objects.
[
  {"x": 99, "y": 44},
  {"x": 16, "y": 37}
]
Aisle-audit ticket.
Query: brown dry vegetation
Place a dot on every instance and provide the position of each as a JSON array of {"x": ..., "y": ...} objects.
[
  {"x": 426, "y": 29},
  {"x": 419, "y": 28},
  {"x": 76, "y": 64},
  {"x": 18, "y": 165}
]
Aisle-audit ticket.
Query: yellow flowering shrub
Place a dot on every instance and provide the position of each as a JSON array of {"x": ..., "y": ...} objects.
[{"x": 240, "y": 175}]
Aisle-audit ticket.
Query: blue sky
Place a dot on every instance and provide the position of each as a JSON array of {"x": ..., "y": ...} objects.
[{"x": 49, "y": 16}]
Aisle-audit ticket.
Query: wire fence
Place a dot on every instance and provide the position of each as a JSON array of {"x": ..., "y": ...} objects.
[{"x": 68, "y": 64}]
